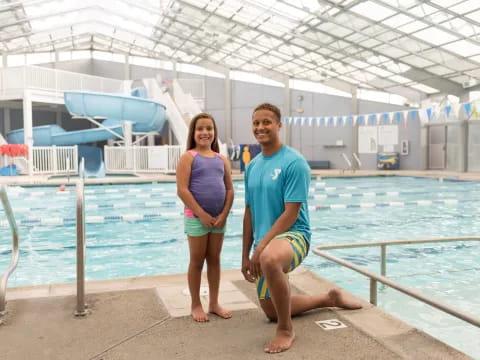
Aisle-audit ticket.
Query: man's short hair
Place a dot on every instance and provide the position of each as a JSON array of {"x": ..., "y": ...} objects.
[{"x": 270, "y": 107}]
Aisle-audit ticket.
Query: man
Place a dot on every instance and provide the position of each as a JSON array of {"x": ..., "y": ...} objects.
[{"x": 276, "y": 221}]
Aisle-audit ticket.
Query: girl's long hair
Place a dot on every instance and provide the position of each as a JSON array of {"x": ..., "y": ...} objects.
[{"x": 191, "y": 144}]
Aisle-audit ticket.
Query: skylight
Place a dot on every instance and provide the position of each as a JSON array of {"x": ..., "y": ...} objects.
[{"x": 372, "y": 10}]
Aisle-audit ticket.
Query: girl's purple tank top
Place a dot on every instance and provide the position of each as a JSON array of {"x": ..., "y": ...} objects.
[{"x": 207, "y": 182}]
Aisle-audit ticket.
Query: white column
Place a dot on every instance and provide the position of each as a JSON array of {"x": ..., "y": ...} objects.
[
  {"x": 27, "y": 128},
  {"x": 174, "y": 63},
  {"x": 4, "y": 60},
  {"x": 8, "y": 123},
  {"x": 353, "y": 91},
  {"x": 57, "y": 58},
  {"x": 286, "y": 111},
  {"x": 127, "y": 133},
  {"x": 228, "y": 107},
  {"x": 126, "y": 68},
  {"x": 151, "y": 140}
]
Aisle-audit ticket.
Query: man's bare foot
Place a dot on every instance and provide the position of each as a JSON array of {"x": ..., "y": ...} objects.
[
  {"x": 282, "y": 341},
  {"x": 220, "y": 311},
  {"x": 198, "y": 314},
  {"x": 339, "y": 299}
]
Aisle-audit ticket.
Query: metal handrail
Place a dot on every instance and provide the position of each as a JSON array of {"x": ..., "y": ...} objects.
[
  {"x": 386, "y": 281},
  {"x": 15, "y": 252},
  {"x": 357, "y": 159},
  {"x": 81, "y": 244},
  {"x": 383, "y": 245}
]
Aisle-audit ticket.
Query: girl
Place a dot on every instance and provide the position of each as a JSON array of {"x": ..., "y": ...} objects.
[{"x": 204, "y": 184}]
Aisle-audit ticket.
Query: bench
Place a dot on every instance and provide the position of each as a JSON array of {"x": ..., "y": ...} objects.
[{"x": 323, "y": 164}]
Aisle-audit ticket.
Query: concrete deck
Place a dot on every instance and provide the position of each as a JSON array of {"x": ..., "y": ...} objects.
[{"x": 148, "y": 318}]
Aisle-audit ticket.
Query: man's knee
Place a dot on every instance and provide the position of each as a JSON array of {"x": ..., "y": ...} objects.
[{"x": 269, "y": 260}]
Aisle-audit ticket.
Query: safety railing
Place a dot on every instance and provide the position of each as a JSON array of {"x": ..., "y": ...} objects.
[
  {"x": 374, "y": 278},
  {"x": 15, "y": 250},
  {"x": 81, "y": 244},
  {"x": 55, "y": 160},
  {"x": 38, "y": 77},
  {"x": 357, "y": 159},
  {"x": 347, "y": 160},
  {"x": 142, "y": 159}
]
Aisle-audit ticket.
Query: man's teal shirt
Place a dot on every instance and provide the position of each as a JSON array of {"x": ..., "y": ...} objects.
[{"x": 272, "y": 181}]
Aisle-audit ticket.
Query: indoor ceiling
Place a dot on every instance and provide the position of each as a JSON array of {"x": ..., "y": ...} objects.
[{"x": 411, "y": 48}]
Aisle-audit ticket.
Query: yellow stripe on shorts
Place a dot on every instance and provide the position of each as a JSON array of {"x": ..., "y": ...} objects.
[{"x": 299, "y": 247}]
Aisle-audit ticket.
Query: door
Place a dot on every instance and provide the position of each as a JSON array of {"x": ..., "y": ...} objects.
[{"x": 436, "y": 147}]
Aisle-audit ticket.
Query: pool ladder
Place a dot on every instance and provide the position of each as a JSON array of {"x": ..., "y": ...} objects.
[{"x": 15, "y": 251}]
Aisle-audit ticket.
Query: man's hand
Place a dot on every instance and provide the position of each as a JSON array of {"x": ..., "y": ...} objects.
[
  {"x": 255, "y": 268},
  {"x": 246, "y": 271}
]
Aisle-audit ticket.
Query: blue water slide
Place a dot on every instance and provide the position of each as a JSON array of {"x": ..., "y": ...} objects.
[
  {"x": 94, "y": 166},
  {"x": 146, "y": 115},
  {"x": 49, "y": 135}
]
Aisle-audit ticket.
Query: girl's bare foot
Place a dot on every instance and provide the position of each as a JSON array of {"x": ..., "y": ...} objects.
[
  {"x": 220, "y": 311},
  {"x": 198, "y": 314},
  {"x": 282, "y": 341},
  {"x": 339, "y": 299}
]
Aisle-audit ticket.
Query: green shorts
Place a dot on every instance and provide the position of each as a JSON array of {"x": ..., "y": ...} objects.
[
  {"x": 194, "y": 227},
  {"x": 300, "y": 249}
]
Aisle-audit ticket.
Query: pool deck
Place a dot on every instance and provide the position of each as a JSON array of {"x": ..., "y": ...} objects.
[{"x": 148, "y": 318}]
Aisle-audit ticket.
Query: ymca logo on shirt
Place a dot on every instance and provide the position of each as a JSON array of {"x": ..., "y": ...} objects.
[{"x": 275, "y": 174}]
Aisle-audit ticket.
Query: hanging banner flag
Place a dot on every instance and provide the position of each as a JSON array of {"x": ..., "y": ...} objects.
[
  {"x": 302, "y": 121},
  {"x": 318, "y": 122},
  {"x": 385, "y": 118},
  {"x": 422, "y": 115},
  {"x": 468, "y": 108},
  {"x": 354, "y": 120},
  {"x": 340, "y": 121},
  {"x": 413, "y": 115},
  {"x": 429, "y": 113},
  {"x": 361, "y": 120},
  {"x": 448, "y": 110},
  {"x": 331, "y": 121},
  {"x": 310, "y": 121},
  {"x": 295, "y": 120},
  {"x": 348, "y": 120},
  {"x": 397, "y": 118},
  {"x": 372, "y": 119}
]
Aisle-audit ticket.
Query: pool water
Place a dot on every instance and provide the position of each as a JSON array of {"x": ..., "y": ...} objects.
[{"x": 137, "y": 230}]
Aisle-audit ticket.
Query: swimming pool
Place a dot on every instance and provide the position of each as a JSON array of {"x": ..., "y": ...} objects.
[{"x": 137, "y": 230}]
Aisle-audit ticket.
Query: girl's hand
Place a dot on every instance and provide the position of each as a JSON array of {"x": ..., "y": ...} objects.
[
  {"x": 220, "y": 222},
  {"x": 207, "y": 220}
]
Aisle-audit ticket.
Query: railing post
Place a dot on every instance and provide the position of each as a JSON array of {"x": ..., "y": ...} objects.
[
  {"x": 54, "y": 159},
  {"x": 383, "y": 269},
  {"x": 15, "y": 250},
  {"x": 81, "y": 306},
  {"x": 373, "y": 291}
]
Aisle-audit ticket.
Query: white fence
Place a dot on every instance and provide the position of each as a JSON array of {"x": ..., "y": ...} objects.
[
  {"x": 55, "y": 160},
  {"x": 37, "y": 77},
  {"x": 142, "y": 159}
]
